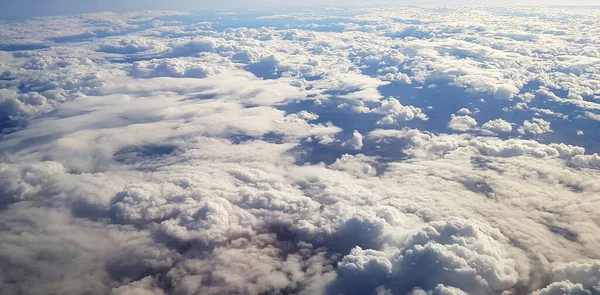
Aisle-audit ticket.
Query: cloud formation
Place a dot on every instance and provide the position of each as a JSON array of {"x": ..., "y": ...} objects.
[
  {"x": 462, "y": 123},
  {"x": 404, "y": 150}
]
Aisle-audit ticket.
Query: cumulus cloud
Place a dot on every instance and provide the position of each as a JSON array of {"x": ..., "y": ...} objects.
[
  {"x": 463, "y": 111},
  {"x": 505, "y": 91},
  {"x": 424, "y": 144},
  {"x": 462, "y": 123},
  {"x": 132, "y": 45},
  {"x": 179, "y": 67},
  {"x": 356, "y": 142},
  {"x": 395, "y": 112},
  {"x": 536, "y": 126},
  {"x": 497, "y": 125},
  {"x": 587, "y": 160},
  {"x": 218, "y": 153},
  {"x": 453, "y": 254},
  {"x": 456, "y": 254}
]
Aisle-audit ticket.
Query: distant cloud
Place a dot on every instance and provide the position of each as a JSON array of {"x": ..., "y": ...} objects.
[
  {"x": 535, "y": 126},
  {"x": 462, "y": 123},
  {"x": 356, "y": 142},
  {"x": 497, "y": 125}
]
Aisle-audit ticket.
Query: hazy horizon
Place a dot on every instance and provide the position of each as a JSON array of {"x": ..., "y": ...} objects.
[{"x": 20, "y": 9}]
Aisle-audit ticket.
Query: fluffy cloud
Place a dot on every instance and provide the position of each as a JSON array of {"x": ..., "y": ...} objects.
[
  {"x": 356, "y": 142},
  {"x": 395, "y": 112},
  {"x": 457, "y": 254},
  {"x": 505, "y": 91},
  {"x": 592, "y": 161},
  {"x": 132, "y": 46},
  {"x": 453, "y": 254},
  {"x": 497, "y": 125},
  {"x": 574, "y": 278},
  {"x": 161, "y": 153},
  {"x": 536, "y": 126},
  {"x": 180, "y": 67},
  {"x": 464, "y": 111},
  {"x": 462, "y": 123}
]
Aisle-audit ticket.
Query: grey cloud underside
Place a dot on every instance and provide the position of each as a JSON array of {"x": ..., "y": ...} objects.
[{"x": 399, "y": 151}]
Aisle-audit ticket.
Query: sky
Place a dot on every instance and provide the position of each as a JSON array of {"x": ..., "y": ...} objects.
[
  {"x": 398, "y": 150},
  {"x": 19, "y": 9}
]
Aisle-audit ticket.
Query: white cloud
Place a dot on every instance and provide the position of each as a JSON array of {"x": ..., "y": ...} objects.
[
  {"x": 562, "y": 288},
  {"x": 592, "y": 161},
  {"x": 154, "y": 154},
  {"x": 145, "y": 286},
  {"x": 463, "y": 111},
  {"x": 587, "y": 274},
  {"x": 462, "y": 123},
  {"x": 423, "y": 144},
  {"x": 536, "y": 126},
  {"x": 505, "y": 91},
  {"x": 497, "y": 125},
  {"x": 179, "y": 67},
  {"x": 396, "y": 113},
  {"x": 473, "y": 256},
  {"x": 132, "y": 45},
  {"x": 356, "y": 142}
]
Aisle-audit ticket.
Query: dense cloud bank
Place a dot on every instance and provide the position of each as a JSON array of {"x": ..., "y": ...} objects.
[{"x": 446, "y": 150}]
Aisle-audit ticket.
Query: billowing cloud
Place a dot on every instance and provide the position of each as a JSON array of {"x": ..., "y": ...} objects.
[
  {"x": 132, "y": 45},
  {"x": 179, "y": 67},
  {"x": 497, "y": 125},
  {"x": 536, "y": 126},
  {"x": 462, "y": 123},
  {"x": 356, "y": 142},
  {"x": 405, "y": 150},
  {"x": 395, "y": 112}
]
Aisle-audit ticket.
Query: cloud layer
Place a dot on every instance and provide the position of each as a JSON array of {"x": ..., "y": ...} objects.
[{"x": 405, "y": 150}]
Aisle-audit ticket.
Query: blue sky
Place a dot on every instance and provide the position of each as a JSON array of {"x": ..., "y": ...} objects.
[{"x": 18, "y": 9}]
